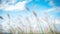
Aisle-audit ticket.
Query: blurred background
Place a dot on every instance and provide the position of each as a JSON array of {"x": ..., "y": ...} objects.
[{"x": 30, "y": 16}]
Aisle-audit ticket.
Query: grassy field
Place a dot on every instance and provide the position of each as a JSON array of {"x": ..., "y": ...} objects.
[{"x": 18, "y": 26}]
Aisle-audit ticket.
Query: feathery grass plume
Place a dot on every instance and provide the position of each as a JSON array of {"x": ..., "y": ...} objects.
[
  {"x": 55, "y": 29},
  {"x": 20, "y": 22},
  {"x": 27, "y": 8},
  {"x": 1, "y": 17},
  {"x": 39, "y": 21},
  {"x": 34, "y": 13},
  {"x": 29, "y": 25},
  {"x": 47, "y": 20},
  {"x": 10, "y": 29},
  {"x": 40, "y": 26},
  {"x": 8, "y": 16},
  {"x": 20, "y": 31},
  {"x": 1, "y": 30},
  {"x": 53, "y": 25}
]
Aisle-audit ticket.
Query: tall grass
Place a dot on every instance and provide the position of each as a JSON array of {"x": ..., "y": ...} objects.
[
  {"x": 38, "y": 22},
  {"x": 1, "y": 17},
  {"x": 49, "y": 23},
  {"x": 19, "y": 30},
  {"x": 29, "y": 25}
]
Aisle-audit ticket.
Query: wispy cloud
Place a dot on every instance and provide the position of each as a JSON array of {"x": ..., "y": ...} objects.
[
  {"x": 17, "y": 6},
  {"x": 51, "y": 9},
  {"x": 51, "y": 3}
]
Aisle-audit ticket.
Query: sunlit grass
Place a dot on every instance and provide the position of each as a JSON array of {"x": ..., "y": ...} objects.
[{"x": 19, "y": 30}]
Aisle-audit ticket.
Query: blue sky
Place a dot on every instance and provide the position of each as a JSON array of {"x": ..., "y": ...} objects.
[
  {"x": 37, "y": 5},
  {"x": 18, "y": 7}
]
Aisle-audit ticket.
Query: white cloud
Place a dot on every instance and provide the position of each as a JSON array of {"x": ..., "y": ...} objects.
[
  {"x": 51, "y": 9},
  {"x": 18, "y": 6},
  {"x": 50, "y": 2},
  {"x": 12, "y": 1}
]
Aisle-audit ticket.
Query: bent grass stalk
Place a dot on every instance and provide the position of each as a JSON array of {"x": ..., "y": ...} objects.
[
  {"x": 12, "y": 30},
  {"x": 20, "y": 31},
  {"x": 1, "y": 17},
  {"x": 38, "y": 22},
  {"x": 29, "y": 25},
  {"x": 47, "y": 20}
]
